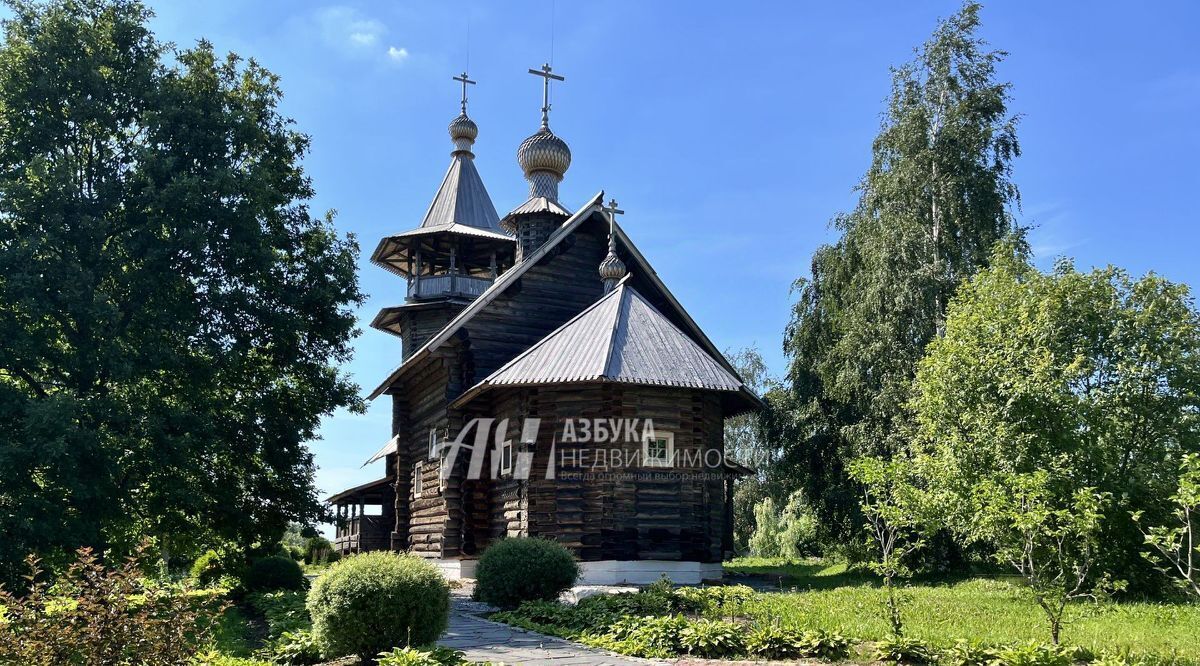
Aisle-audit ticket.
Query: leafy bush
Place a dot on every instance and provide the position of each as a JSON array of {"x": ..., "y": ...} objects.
[
  {"x": 968, "y": 653},
  {"x": 716, "y": 598},
  {"x": 319, "y": 550},
  {"x": 215, "y": 658},
  {"x": 429, "y": 656},
  {"x": 821, "y": 644},
  {"x": 217, "y": 568},
  {"x": 773, "y": 642},
  {"x": 901, "y": 650},
  {"x": 373, "y": 602},
  {"x": 99, "y": 615},
  {"x": 295, "y": 648},
  {"x": 712, "y": 639},
  {"x": 1034, "y": 654},
  {"x": 651, "y": 637},
  {"x": 267, "y": 574},
  {"x": 283, "y": 611},
  {"x": 521, "y": 569}
]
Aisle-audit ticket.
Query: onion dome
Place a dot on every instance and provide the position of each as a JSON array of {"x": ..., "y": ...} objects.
[
  {"x": 544, "y": 151},
  {"x": 612, "y": 269},
  {"x": 463, "y": 131},
  {"x": 544, "y": 158}
]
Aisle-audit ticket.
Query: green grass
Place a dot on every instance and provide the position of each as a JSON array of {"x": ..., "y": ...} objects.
[{"x": 941, "y": 611}]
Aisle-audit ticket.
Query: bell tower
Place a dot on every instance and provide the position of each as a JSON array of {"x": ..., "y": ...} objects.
[{"x": 457, "y": 251}]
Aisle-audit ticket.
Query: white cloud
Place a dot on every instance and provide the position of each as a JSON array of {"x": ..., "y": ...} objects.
[
  {"x": 397, "y": 54},
  {"x": 348, "y": 29}
]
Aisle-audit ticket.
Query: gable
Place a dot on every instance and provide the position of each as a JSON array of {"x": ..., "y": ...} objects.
[{"x": 496, "y": 302}]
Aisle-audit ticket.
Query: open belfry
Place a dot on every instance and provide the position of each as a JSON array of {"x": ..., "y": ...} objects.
[{"x": 536, "y": 325}]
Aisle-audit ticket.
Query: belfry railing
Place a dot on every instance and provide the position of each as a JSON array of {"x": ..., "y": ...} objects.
[{"x": 447, "y": 284}]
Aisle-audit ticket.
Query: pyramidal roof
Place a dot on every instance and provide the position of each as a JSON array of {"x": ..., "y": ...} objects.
[
  {"x": 620, "y": 338},
  {"x": 461, "y": 204}
]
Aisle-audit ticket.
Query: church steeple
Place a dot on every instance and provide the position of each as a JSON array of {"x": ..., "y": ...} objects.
[
  {"x": 544, "y": 158},
  {"x": 459, "y": 247}
]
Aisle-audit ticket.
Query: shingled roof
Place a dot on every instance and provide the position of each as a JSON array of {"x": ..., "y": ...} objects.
[{"x": 621, "y": 338}]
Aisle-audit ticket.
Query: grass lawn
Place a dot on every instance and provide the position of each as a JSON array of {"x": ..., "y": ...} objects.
[{"x": 990, "y": 610}]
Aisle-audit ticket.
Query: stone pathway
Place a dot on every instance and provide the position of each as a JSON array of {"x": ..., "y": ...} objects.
[{"x": 484, "y": 640}]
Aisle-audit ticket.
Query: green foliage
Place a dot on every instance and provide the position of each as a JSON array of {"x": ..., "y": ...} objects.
[
  {"x": 648, "y": 637},
  {"x": 897, "y": 521},
  {"x": 967, "y": 653},
  {"x": 934, "y": 201},
  {"x": 1091, "y": 377},
  {"x": 283, "y": 611},
  {"x": 1177, "y": 546},
  {"x": 410, "y": 656},
  {"x": 790, "y": 534},
  {"x": 319, "y": 550},
  {"x": 218, "y": 568},
  {"x": 215, "y": 658},
  {"x": 375, "y": 601},
  {"x": 771, "y": 641},
  {"x": 903, "y": 650},
  {"x": 295, "y": 648},
  {"x": 103, "y": 615},
  {"x": 1052, "y": 545},
  {"x": 174, "y": 316},
  {"x": 524, "y": 569},
  {"x": 1033, "y": 654},
  {"x": 267, "y": 574},
  {"x": 712, "y": 639}
]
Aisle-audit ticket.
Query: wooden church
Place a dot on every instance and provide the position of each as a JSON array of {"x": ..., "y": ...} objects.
[{"x": 551, "y": 317}]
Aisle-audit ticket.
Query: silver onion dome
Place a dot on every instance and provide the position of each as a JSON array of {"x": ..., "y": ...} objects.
[
  {"x": 612, "y": 268},
  {"x": 544, "y": 151},
  {"x": 463, "y": 131}
]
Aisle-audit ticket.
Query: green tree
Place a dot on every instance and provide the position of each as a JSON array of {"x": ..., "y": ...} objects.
[
  {"x": 935, "y": 200},
  {"x": 1048, "y": 536},
  {"x": 747, "y": 442},
  {"x": 1092, "y": 378},
  {"x": 1177, "y": 546},
  {"x": 897, "y": 521},
  {"x": 172, "y": 316}
]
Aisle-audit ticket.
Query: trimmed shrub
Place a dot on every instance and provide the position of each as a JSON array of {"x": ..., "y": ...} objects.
[
  {"x": 523, "y": 569},
  {"x": 274, "y": 573},
  {"x": 374, "y": 602}
]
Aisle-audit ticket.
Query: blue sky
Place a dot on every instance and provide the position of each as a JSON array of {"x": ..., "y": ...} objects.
[{"x": 729, "y": 132}]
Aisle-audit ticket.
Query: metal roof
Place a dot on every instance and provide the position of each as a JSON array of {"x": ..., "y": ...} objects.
[
  {"x": 621, "y": 338},
  {"x": 462, "y": 199},
  {"x": 639, "y": 264}
]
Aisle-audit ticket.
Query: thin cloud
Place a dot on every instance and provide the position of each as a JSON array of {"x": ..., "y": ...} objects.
[
  {"x": 353, "y": 33},
  {"x": 397, "y": 54}
]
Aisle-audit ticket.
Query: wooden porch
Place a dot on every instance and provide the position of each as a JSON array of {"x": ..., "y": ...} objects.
[{"x": 359, "y": 530}]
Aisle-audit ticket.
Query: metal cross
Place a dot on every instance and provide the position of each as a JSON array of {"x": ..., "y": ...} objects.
[
  {"x": 463, "y": 78},
  {"x": 545, "y": 73},
  {"x": 613, "y": 212}
]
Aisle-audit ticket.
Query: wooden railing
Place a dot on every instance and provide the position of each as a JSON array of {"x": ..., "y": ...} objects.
[
  {"x": 363, "y": 534},
  {"x": 433, "y": 286}
]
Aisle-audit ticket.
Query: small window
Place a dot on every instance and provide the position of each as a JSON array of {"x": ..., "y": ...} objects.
[
  {"x": 659, "y": 450},
  {"x": 434, "y": 445},
  {"x": 418, "y": 482},
  {"x": 506, "y": 457}
]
